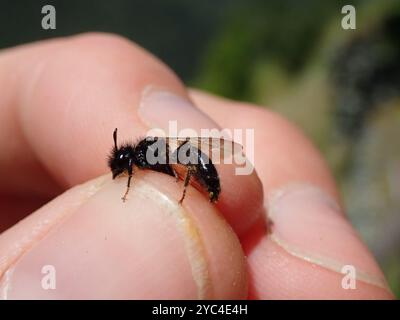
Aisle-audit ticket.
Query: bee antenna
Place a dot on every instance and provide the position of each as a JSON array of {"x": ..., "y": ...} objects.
[{"x": 115, "y": 138}]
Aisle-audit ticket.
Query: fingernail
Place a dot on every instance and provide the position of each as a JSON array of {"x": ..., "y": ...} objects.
[
  {"x": 177, "y": 116},
  {"x": 159, "y": 107},
  {"x": 308, "y": 224},
  {"x": 148, "y": 247}
]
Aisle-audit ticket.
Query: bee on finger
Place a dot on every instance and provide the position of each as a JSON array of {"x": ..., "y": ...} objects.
[{"x": 166, "y": 154}]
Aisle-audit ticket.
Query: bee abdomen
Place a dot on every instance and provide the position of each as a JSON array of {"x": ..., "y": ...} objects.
[{"x": 207, "y": 174}]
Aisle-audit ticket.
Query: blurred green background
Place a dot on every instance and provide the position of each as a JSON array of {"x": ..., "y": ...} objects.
[{"x": 341, "y": 86}]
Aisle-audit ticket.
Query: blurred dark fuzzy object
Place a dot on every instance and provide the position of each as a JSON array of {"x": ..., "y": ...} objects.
[{"x": 366, "y": 73}]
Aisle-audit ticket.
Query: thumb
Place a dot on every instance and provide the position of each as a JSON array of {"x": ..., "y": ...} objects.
[{"x": 88, "y": 244}]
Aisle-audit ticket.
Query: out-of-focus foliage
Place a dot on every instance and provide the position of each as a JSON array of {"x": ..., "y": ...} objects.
[
  {"x": 258, "y": 34},
  {"x": 341, "y": 86}
]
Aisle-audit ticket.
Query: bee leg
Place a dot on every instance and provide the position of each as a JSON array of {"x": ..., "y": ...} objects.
[
  {"x": 169, "y": 161},
  {"x": 175, "y": 175},
  {"x": 128, "y": 185},
  {"x": 190, "y": 172},
  {"x": 171, "y": 171}
]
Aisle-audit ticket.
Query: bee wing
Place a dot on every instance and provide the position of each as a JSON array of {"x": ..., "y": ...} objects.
[{"x": 217, "y": 149}]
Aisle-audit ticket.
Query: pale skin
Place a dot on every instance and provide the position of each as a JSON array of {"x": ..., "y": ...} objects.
[{"x": 60, "y": 102}]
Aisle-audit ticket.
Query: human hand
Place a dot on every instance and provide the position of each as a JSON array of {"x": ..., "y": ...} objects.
[{"x": 61, "y": 100}]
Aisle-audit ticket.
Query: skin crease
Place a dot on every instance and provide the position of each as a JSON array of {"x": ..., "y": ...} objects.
[{"x": 102, "y": 87}]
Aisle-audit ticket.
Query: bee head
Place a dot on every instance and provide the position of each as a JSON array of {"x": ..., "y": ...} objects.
[{"x": 121, "y": 158}]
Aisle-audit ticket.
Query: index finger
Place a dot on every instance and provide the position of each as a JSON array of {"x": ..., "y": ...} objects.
[{"x": 63, "y": 99}]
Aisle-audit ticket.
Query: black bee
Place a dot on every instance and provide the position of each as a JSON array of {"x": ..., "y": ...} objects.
[{"x": 158, "y": 154}]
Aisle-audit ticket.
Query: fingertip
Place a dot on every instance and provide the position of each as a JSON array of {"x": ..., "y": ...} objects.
[
  {"x": 276, "y": 274},
  {"x": 312, "y": 252},
  {"x": 226, "y": 277},
  {"x": 241, "y": 199},
  {"x": 148, "y": 247}
]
